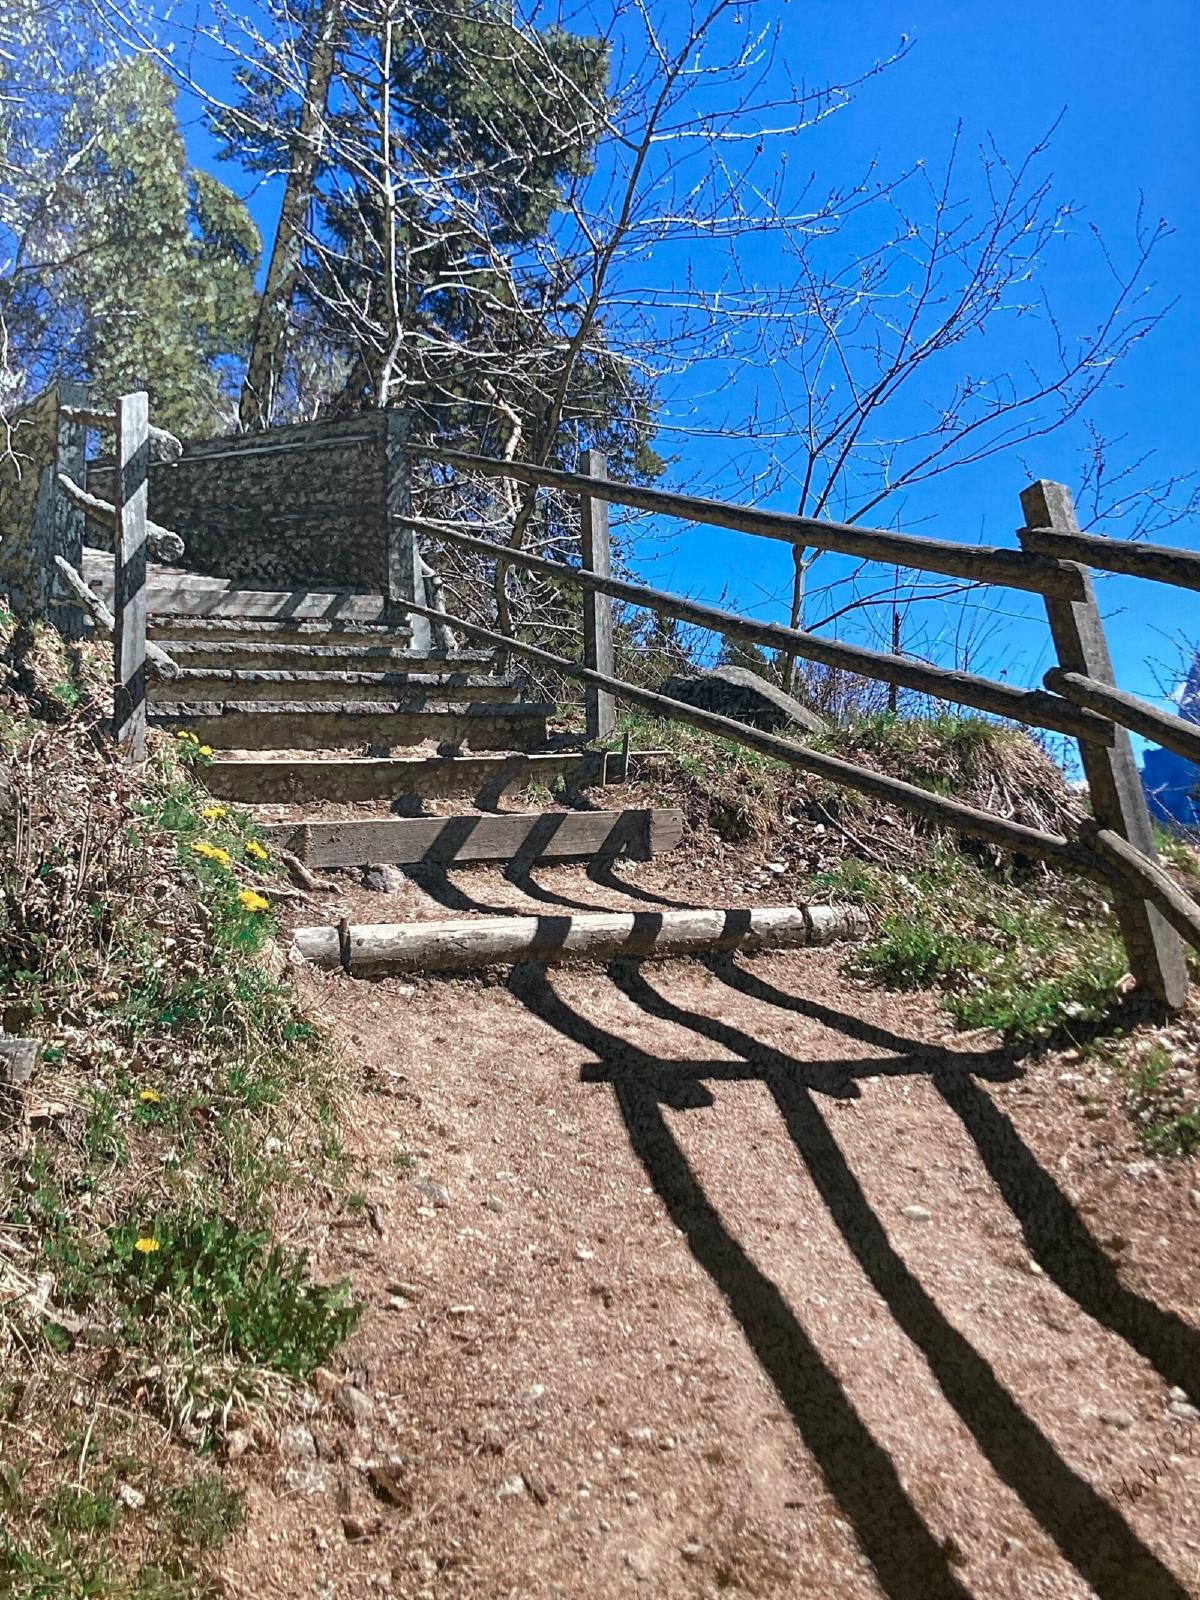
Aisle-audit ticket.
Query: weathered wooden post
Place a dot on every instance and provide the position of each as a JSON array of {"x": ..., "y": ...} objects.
[
  {"x": 404, "y": 583},
  {"x": 599, "y": 705},
  {"x": 1156, "y": 954},
  {"x": 70, "y": 620},
  {"x": 129, "y": 589}
]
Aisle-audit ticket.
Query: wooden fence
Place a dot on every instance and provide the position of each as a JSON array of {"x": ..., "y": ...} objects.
[{"x": 1079, "y": 697}]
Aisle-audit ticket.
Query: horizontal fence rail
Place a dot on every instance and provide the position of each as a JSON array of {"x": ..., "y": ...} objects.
[
  {"x": 1161, "y": 562},
  {"x": 1014, "y": 836},
  {"x": 1032, "y": 706},
  {"x": 1173, "y": 733},
  {"x": 1013, "y": 569}
]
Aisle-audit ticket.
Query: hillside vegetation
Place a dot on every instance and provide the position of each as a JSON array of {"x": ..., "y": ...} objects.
[{"x": 148, "y": 1315}]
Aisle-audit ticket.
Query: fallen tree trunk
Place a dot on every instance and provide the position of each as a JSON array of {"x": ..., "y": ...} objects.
[
  {"x": 596, "y": 936},
  {"x": 158, "y": 661}
]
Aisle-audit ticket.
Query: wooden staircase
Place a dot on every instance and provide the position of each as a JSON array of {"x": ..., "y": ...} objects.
[{"x": 326, "y": 720}]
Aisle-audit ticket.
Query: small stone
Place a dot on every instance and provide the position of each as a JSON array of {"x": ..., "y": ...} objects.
[
  {"x": 437, "y": 1194},
  {"x": 1035, "y": 1268},
  {"x": 297, "y": 1443},
  {"x": 582, "y": 1253},
  {"x": 666, "y": 1443},
  {"x": 494, "y": 1205},
  {"x": 461, "y": 1311},
  {"x": 360, "y": 1527},
  {"x": 133, "y": 1498},
  {"x": 639, "y": 1435},
  {"x": 691, "y": 1551},
  {"x": 510, "y": 1488},
  {"x": 397, "y": 1302},
  {"x": 306, "y": 1480},
  {"x": 410, "y": 1291},
  {"x": 640, "y": 1564},
  {"x": 1196, "y": 1198},
  {"x": 1118, "y": 1419},
  {"x": 776, "y": 867},
  {"x": 383, "y": 879},
  {"x": 1008, "y": 1545},
  {"x": 632, "y": 1497},
  {"x": 238, "y": 1443},
  {"x": 1184, "y": 1410},
  {"x": 917, "y": 1213},
  {"x": 358, "y": 1408}
]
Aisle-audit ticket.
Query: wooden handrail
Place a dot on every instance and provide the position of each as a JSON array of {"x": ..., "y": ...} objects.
[
  {"x": 1148, "y": 879},
  {"x": 1012, "y": 568},
  {"x": 1159, "y": 562},
  {"x": 1173, "y": 733},
  {"x": 106, "y": 422},
  {"x": 1031, "y": 706},
  {"x": 965, "y": 819}
]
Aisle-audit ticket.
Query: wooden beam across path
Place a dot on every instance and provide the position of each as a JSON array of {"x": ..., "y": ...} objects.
[
  {"x": 1173, "y": 733},
  {"x": 598, "y": 936},
  {"x": 482, "y": 777},
  {"x": 1159, "y": 562},
  {"x": 1034, "y": 707},
  {"x": 503, "y": 836},
  {"x": 964, "y": 819},
  {"x": 1011, "y": 568}
]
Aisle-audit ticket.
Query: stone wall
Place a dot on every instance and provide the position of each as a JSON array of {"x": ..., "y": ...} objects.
[{"x": 299, "y": 506}]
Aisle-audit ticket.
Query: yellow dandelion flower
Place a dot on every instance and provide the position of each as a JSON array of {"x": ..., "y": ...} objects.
[
  {"x": 213, "y": 813},
  {"x": 210, "y": 852},
  {"x": 251, "y": 901},
  {"x": 188, "y": 735},
  {"x": 146, "y": 1247},
  {"x": 205, "y": 749},
  {"x": 150, "y": 1097},
  {"x": 258, "y": 851}
]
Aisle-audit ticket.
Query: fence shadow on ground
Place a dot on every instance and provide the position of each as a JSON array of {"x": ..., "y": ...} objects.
[{"x": 909, "y": 1561}]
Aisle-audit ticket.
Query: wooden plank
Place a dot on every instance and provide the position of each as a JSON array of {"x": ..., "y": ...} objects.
[
  {"x": 1162, "y": 563},
  {"x": 600, "y": 709},
  {"x": 1173, "y": 733},
  {"x": 129, "y": 575},
  {"x": 483, "y": 777},
  {"x": 1156, "y": 956},
  {"x": 527, "y": 837},
  {"x": 963, "y": 819},
  {"x": 1032, "y": 706},
  {"x": 1013, "y": 568},
  {"x": 596, "y": 936}
]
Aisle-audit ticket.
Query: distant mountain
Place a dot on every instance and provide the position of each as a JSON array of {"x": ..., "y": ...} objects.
[{"x": 1172, "y": 784}]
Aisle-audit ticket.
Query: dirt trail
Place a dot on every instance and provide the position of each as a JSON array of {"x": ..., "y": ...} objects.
[{"x": 733, "y": 1280}]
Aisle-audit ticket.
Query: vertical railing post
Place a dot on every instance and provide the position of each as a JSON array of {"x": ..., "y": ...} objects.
[
  {"x": 129, "y": 597},
  {"x": 68, "y": 518},
  {"x": 404, "y": 584},
  {"x": 1156, "y": 955},
  {"x": 599, "y": 706}
]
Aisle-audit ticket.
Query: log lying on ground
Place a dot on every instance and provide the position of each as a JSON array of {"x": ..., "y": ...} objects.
[
  {"x": 595, "y": 936},
  {"x": 158, "y": 662}
]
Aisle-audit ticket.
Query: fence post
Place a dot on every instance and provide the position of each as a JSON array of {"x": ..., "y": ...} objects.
[
  {"x": 69, "y": 519},
  {"x": 404, "y": 583},
  {"x": 1156, "y": 956},
  {"x": 129, "y": 588},
  {"x": 599, "y": 705}
]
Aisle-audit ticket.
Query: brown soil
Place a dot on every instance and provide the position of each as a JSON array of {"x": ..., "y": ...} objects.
[{"x": 678, "y": 1332}]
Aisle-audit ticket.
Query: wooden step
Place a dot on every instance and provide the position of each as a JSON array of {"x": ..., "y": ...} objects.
[
  {"x": 243, "y": 684},
  {"x": 484, "y": 778},
  {"x": 275, "y": 631},
  {"x": 510, "y": 836},
  {"x": 325, "y": 725},
  {"x": 354, "y": 653}
]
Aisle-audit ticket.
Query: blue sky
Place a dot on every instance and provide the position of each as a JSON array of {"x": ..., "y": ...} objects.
[{"x": 1127, "y": 80}]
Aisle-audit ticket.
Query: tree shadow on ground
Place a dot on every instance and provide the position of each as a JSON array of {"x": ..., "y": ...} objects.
[{"x": 909, "y": 1562}]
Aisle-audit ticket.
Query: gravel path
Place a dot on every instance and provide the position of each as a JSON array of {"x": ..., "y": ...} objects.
[{"x": 740, "y": 1279}]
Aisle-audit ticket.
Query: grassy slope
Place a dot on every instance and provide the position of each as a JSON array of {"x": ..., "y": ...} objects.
[
  {"x": 145, "y": 1309},
  {"x": 1008, "y": 946}
]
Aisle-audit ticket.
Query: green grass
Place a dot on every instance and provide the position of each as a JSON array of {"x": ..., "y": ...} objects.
[
  {"x": 1024, "y": 957},
  {"x": 198, "y": 1102}
]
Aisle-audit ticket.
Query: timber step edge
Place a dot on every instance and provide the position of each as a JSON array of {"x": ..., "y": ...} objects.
[
  {"x": 323, "y": 725},
  {"x": 210, "y": 684},
  {"x": 273, "y": 630},
  {"x": 482, "y": 778},
  {"x": 255, "y": 654},
  {"x": 506, "y": 836}
]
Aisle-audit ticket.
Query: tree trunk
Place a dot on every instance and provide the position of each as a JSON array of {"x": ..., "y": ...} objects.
[{"x": 269, "y": 342}]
